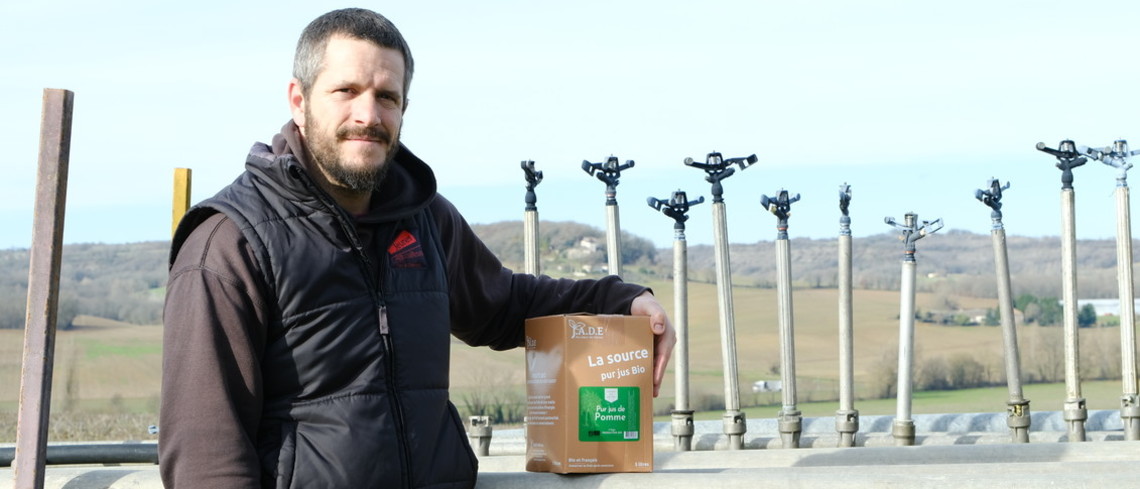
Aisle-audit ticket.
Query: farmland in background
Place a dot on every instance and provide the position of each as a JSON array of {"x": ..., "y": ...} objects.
[{"x": 108, "y": 352}]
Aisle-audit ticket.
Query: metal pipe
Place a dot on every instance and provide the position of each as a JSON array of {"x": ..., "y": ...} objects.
[
  {"x": 92, "y": 453},
  {"x": 1117, "y": 156},
  {"x": 682, "y": 416},
  {"x": 903, "y": 428},
  {"x": 43, "y": 288},
  {"x": 1068, "y": 158},
  {"x": 718, "y": 168},
  {"x": 1075, "y": 412},
  {"x": 790, "y": 418},
  {"x": 676, "y": 208},
  {"x": 530, "y": 221},
  {"x": 681, "y": 319},
  {"x": 613, "y": 238},
  {"x": 530, "y": 242},
  {"x": 609, "y": 173},
  {"x": 1017, "y": 407},
  {"x": 1129, "y": 404},
  {"x": 733, "y": 418},
  {"x": 847, "y": 417}
]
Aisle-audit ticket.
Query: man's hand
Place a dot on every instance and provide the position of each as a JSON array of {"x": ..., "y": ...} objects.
[{"x": 664, "y": 335}]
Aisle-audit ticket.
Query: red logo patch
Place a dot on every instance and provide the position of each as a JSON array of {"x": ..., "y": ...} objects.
[{"x": 406, "y": 252}]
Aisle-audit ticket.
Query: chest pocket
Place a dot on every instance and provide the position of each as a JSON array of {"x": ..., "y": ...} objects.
[
  {"x": 417, "y": 300},
  {"x": 413, "y": 259}
]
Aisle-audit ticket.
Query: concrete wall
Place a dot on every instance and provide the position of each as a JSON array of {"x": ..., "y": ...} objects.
[{"x": 959, "y": 451}]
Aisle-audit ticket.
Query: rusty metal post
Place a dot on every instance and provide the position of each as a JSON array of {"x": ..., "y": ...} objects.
[
  {"x": 181, "y": 197},
  {"x": 43, "y": 289}
]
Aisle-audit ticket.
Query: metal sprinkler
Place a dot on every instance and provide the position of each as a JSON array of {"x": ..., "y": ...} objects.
[
  {"x": 847, "y": 417},
  {"x": 1017, "y": 407},
  {"x": 1075, "y": 412},
  {"x": 1117, "y": 156},
  {"x": 609, "y": 172},
  {"x": 903, "y": 428},
  {"x": 790, "y": 420},
  {"x": 677, "y": 207},
  {"x": 718, "y": 168},
  {"x": 530, "y": 235}
]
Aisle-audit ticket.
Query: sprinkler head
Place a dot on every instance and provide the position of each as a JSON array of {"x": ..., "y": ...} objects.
[
  {"x": 533, "y": 177},
  {"x": 992, "y": 197},
  {"x": 717, "y": 168},
  {"x": 1068, "y": 158},
  {"x": 679, "y": 199},
  {"x": 844, "y": 197}
]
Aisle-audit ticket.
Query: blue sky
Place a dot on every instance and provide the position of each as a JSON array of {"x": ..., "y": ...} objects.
[{"x": 914, "y": 104}]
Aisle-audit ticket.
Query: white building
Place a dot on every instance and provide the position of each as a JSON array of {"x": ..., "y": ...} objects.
[{"x": 1105, "y": 307}]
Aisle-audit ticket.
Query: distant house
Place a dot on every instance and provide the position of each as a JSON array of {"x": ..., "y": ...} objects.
[
  {"x": 1106, "y": 307},
  {"x": 590, "y": 243},
  {"x": 586, "y": 247}
]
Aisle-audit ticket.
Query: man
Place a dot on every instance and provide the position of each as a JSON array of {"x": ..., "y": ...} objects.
[{"x": 310, "y": 303}]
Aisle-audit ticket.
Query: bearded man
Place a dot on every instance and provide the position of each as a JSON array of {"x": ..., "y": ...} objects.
[{"x": 311, "y": 302}]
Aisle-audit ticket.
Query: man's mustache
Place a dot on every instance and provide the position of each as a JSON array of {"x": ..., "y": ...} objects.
[{"x": 371, "y": 133}]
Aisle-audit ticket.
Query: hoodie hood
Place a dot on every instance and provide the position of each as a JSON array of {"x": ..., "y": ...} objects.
[{"x": 409, "y": 184}]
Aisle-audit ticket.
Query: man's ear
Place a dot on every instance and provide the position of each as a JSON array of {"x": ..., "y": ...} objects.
[
  {"x": 404, "y": 110},
  {"x": 297, "y": 103}
]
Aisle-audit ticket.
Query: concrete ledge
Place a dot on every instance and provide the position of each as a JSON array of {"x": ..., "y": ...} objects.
[
  {"x": 953, "y": 466},
  {"x": 141, "y": 477},
  {"x": 1099, "y": 464},
  {"x": 952, "y": 450}
]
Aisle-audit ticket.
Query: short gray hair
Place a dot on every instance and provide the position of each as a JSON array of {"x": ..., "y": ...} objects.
[{"x": 356, "y": 23}]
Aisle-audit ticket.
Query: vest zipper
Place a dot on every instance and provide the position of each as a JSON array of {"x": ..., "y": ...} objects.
[
  {"x": 389, "y": 352},
  {"x": 394, "y": 398},
  {"x": 388, "y": 348}
]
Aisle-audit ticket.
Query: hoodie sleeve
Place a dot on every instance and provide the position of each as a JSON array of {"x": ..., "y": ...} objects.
[
  {"x": 489, "y": 303},
  {"x": 213, "y": 339}
]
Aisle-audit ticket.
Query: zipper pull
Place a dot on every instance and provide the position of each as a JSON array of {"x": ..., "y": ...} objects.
[{"x": 383, "y": 319}]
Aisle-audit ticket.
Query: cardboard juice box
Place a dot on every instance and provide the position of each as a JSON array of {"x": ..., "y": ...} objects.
[{"x": 589, "y": 394}]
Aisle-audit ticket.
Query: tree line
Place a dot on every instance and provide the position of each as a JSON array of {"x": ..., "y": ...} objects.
[
  {"x": 126, "y": 282},
  {"x": 123, "y": 282}
]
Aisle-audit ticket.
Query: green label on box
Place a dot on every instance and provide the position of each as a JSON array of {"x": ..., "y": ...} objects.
[{"x": 609, "y": 413}]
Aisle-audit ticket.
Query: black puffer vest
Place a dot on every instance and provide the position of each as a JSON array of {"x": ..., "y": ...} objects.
[{"x": 355, "y": 367}]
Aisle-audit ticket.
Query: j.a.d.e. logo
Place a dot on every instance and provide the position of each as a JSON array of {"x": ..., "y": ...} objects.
[{"x": 579, "y": 329}]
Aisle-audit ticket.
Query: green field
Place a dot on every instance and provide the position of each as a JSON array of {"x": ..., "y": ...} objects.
[
  {"x": 1101, "y": 394},
  {"x": 106, "y": 370}
]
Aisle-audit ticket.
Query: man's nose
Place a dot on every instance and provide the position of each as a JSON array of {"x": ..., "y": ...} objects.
[{"x": 366, "y": 111}]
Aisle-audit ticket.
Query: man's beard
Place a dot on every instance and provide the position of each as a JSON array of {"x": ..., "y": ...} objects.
[{"x": 323, "y": 152}]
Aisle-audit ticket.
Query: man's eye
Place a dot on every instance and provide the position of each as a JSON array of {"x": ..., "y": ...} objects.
[{"x": 389, "y": 100}]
